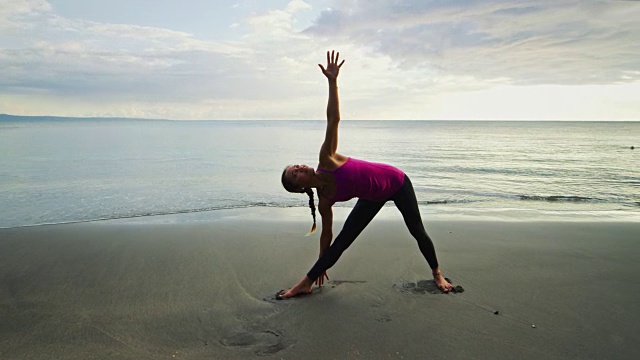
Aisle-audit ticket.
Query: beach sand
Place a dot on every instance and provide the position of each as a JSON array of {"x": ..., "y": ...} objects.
[{"x": 109, "y": 290}]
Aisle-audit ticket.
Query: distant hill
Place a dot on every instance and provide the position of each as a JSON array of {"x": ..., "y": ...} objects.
[{"x": 6, "y": 117}]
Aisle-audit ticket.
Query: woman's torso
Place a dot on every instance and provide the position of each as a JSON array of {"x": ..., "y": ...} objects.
[{"x": 364, "y": 180}]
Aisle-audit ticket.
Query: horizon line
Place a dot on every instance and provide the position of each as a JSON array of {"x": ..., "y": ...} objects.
[{"x": 3, "y": 116}]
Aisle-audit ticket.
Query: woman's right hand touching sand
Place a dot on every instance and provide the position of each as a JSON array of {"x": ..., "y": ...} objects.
[{"x": 320, "y": 280}]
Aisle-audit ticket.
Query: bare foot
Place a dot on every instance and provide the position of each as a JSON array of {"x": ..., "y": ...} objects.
[
  {"x": 304, "y": 287},
  {"x": 442, "y": 283}
]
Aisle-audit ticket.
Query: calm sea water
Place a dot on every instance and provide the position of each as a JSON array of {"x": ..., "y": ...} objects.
[{"x": 57, "y": 171}]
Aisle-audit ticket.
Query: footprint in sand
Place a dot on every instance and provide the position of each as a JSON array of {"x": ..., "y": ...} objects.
[
  {"x": 262, "y": 343},
  {"x": 424, "y": 287},
  {"x": 335, "y": 283}
]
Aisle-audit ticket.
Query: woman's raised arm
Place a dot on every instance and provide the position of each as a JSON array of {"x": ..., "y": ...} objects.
[{"x": 330, "y": 145}]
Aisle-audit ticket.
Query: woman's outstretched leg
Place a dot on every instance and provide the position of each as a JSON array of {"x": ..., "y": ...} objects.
[
  {"x": 406, "y": 202},
  {"x": 358, "y": 219}
]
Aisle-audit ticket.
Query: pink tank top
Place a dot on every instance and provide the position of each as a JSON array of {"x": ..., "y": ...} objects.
[{"x": 365, "y": 180}]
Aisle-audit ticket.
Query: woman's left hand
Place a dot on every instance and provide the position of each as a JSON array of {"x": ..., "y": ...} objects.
[{"x": 333, "y": 68}]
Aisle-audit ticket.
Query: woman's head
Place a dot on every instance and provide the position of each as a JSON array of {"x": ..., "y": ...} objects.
[{"x": 297, "y": 179}]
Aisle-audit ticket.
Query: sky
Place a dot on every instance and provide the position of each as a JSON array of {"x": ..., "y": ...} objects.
[{"x": 236, "y": 60}]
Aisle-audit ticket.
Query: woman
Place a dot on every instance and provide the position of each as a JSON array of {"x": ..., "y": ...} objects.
[{"x": 340, "y": 178}]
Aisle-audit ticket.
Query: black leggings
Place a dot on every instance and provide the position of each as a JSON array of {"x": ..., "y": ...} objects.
[{"x": 363, "y": 213}]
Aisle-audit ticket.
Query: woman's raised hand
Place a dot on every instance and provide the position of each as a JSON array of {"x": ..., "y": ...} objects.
[{"x": 333, "y": 68}]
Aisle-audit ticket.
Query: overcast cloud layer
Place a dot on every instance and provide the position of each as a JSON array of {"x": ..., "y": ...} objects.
[{"x": 405, "y": 60}]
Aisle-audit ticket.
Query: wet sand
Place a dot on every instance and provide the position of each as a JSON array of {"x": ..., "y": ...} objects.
[{"x": 107, "y": 290}]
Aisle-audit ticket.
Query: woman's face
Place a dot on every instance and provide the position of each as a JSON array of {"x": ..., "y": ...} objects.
[{"x": 300, "y": 175}]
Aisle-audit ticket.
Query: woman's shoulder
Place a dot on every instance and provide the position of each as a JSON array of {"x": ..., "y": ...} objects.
[
  {"x": 333, "y": 162},
  {"x": 324, "y": 203}
]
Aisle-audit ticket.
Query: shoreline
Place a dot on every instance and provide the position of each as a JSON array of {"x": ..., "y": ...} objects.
[{"x": 388, "y": 212}]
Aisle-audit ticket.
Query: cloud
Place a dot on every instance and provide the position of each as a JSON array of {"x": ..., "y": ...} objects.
[
  {"x": 74, "y": 57},
  {"x": 524, "y": 42},
  {"x": 276, "y": 23},
  {"x": 133, "y": 69},
  {"x": 19, "y": 14},
  {"x": 405, "y": 59}
]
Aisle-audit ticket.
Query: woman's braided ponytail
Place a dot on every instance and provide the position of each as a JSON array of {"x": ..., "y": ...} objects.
[
  {"x": 291, "y": 187},
  {"x": 312, "y": 205}
]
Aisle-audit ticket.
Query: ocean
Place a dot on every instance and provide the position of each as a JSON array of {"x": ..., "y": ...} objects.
[{"x": 59, "y": 170}]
